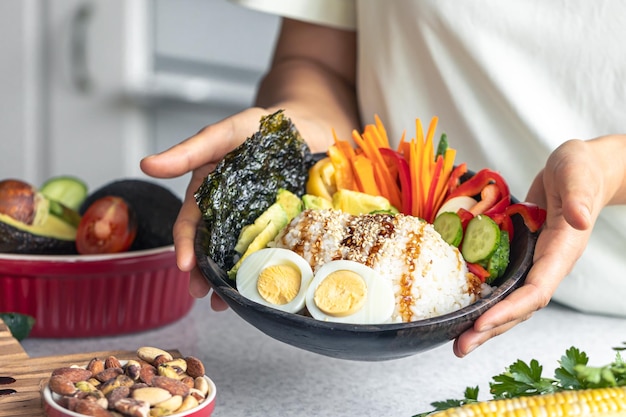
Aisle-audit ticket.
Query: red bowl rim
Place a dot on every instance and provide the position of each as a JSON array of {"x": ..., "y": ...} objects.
[{"x": 86, "y": 258}]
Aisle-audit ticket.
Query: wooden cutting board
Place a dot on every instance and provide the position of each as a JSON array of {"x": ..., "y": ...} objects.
[{"x": 31, "y": 373}]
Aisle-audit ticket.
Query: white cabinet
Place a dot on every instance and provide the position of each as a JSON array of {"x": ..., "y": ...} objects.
[{"x": 89, "y": 87}]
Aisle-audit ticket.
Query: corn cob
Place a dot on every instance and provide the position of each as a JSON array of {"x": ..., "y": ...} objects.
[{"x": 598, "y": 402}]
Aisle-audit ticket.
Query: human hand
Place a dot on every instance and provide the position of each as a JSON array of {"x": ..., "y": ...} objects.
[
  {"x": 199, "y": 155},
  {"x": 576, "y": 183}
]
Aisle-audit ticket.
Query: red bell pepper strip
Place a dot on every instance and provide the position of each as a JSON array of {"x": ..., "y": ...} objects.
[
  {"x": 473, "y": 186},
  {"x": 465, "y": 216},
  {"x": 455, "y": 176},
  {"x": 499, "y": 207},
  {"x": 533, "y": 215},
  {"x": 404, "y": 177},
  {"x": 505, "y": 223},
  {"x": 479, "y": 271}
]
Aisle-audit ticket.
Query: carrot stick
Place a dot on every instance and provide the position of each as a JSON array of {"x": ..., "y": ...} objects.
[
  {"x": 442, "y": 186},
  {"x": 344, "y": 146},
  {"x": 415, "y": 177},
  {"x": 364, "y": 170},
  {"x": 381, "y": 129},
  {"x": 367, "y": 143},
  {"x": 428, "y": 208}
]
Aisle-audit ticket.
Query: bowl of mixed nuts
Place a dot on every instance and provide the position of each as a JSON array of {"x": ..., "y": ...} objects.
[{"x": 155, "y": 383}]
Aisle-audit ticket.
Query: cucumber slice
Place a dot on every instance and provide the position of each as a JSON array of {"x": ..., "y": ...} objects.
[
  {"x": 449, "y": 226},
  {"x": 67, "y": 190},
  {"x": 499, "y": 261},
  {"x": 482, "y": 237}
]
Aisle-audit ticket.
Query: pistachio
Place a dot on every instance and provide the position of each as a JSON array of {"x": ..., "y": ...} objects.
[
  {"x": 178, "y": 363},
  {"x": 149, "y": 354},
  {"x": 85, "y": 386},
  {"x": 132, "y": 369},
  {"x": 173, "y": 369},
  {"x": 151, "y": 395},
  {"x": 119, "y": 381},
  {"x": 93, "y": 381}
]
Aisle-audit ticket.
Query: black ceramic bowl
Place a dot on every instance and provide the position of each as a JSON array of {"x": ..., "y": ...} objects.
[{"x": 367, "y": 342}]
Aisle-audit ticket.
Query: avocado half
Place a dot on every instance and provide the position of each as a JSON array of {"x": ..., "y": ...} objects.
[
  {"x": 52, "y": 237},
  {"x": 155, "y": 207}
]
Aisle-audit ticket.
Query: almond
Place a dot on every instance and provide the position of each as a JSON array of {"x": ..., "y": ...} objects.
[
  {"x": 146, "y": 373},
  {"x": 95, "y": 366},
  {"x": 195, "y": 367},
  {"x": 112, "y": 362},
  {"x": 73, "y": 374},
  {"x": 62, "y": 385}
]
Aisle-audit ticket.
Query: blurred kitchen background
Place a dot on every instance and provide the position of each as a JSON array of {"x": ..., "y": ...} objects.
[{"x": 89, "y": 87}]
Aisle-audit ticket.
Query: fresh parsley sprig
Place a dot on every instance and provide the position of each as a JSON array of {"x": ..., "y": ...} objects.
[{"x": 525, "y": 379}]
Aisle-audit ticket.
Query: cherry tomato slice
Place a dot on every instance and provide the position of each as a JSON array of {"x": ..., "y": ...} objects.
[{"x": 108, "y": 226}]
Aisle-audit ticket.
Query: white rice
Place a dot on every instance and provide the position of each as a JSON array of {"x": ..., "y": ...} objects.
[{"x": 429, "y": 276}]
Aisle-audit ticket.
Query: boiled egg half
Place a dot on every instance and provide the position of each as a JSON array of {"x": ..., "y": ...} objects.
[
  {"x": 350, "y": 292},
  {"x": 276, "y": 278}
]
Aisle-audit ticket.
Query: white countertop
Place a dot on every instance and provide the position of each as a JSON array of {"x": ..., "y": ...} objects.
[{"x": 258, "y": 376}]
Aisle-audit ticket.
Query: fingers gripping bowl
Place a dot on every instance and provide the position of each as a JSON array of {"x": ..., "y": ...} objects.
[{"x": 366, "y": 342}]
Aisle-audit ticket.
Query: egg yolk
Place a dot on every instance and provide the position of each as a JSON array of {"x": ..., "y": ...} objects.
[
  {"x": 279, "y": 284},
  {"x": 341, "y": 293}
]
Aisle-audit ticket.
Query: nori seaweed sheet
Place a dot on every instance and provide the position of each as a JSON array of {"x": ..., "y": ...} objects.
[{"x": 244, "y": 184}]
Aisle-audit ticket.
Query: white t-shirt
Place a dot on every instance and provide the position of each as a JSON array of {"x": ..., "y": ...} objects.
[{"x": 509, "y": 81}]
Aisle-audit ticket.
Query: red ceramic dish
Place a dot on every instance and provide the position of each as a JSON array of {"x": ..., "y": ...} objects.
[
  {"x": 95, "y": 295},
  {"x": 205, "y": 409}
]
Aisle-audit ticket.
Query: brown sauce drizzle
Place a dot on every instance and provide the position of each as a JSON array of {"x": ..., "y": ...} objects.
[{"x": 412, "y": 252}]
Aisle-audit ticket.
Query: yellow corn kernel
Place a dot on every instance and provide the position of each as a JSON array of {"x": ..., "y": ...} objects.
[{"x": 599, "y": 402}]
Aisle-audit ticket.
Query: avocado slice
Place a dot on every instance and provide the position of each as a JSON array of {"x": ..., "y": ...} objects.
[
  {"x": 51, "y": 236},
  {"x": 316, "y": 202},
  {"x": 287, "y": 206},
  {"x": 275, "y": 214},
  {"x": 269, "y": 232},
  {"x": 291, "y": 203}
]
